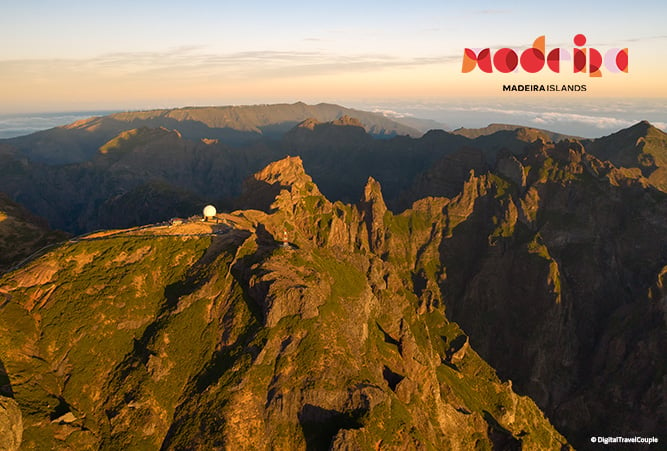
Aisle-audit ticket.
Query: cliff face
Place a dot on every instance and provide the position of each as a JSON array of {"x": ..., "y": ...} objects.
[
  {"x": 218, "y": 336},
  {"x": 559, "y": 283}
]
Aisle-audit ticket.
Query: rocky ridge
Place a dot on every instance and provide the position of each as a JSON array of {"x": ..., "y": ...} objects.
[
  {"x": 222, "y": 337},
  {"x": 145, "y": 165}
]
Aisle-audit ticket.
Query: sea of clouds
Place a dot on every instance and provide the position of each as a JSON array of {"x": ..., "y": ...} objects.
[
  {"x": 24, "y": 124},
  {"x": 587, "y": 119}
]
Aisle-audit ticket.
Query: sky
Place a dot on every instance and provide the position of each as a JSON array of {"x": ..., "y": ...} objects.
[{"x": 61, "y": 56}]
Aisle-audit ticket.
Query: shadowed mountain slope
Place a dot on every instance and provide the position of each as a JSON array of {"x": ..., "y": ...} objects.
[
  {"x": 641, "y": 146},
  {"x": 21, "y": 233}
]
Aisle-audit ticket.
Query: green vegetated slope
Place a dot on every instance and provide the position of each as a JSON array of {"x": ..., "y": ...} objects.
[{"x": 226, "y": 339}]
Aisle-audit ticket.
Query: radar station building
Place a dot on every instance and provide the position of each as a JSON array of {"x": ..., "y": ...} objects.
[{"x": 209, "y": 213}]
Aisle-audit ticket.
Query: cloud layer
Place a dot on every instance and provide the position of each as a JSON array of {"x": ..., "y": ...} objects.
[
  {"x": 589, "y": 119},
  {"x": 194, "y": 61}
]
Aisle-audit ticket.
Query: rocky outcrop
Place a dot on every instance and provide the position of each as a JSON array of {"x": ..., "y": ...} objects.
[
  {"x": 508, "y": 166},
  {"x": 11, "y": 425},
  {"x": 446, "y": 176},
  {"x": 373, "y": 210},
  {"x": 261, "y": 189}
]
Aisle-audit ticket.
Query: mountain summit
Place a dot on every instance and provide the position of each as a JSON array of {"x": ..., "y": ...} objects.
[
  {"x": 261, "y": 189},
  {"x": 641, "y": 146}
]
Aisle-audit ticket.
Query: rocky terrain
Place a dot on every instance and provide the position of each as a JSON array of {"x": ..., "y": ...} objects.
[
  {"x": 479, "y": 281},
  {"x": 558, "y": 276},
  {"x": 216, "y": 336}
]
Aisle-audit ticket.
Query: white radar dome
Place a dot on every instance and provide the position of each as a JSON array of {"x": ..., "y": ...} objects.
[{"x": 209, "y": 211}]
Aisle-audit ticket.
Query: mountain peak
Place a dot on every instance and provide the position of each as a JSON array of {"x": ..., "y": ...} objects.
[
  {"x": 643, "y": 127},
  {"x": 136, "y": 137},
  {"x": 261, "y": 189},
  {"x": 522, "y": 132},
  {"x": 309, "y": 124},
  {"x": 642, "y": 146},
  {"x": 288, "y": 171},
  {"x": 640, "y": 129},
  {"x": 312, "y": 135},
  {"x": 346, "y": 120},
  {"x": 373, "y": 193}
]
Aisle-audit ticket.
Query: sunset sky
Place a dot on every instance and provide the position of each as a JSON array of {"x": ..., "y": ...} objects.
[{"x": 76, "y": 55}]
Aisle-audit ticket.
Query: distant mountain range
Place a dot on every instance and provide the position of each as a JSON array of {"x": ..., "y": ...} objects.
[
  {"x": 530, "y": 133},
  {"x": 405, "y": 257},
  {"x": 233, "y": 125},
  {"x": 132, "y": 168}
]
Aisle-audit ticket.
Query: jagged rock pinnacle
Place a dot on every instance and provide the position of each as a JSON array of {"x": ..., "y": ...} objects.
[
  {"x": 288, "y": 171},
  {"x": 373, "y": 210},
  {"x": 260, "y": 190},
  {"x": 346, "y": 120},
  {"x": 309, "y": 124}
]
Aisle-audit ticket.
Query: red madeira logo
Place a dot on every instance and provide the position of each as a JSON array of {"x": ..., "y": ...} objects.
[{"x": 534, "y": 59}]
